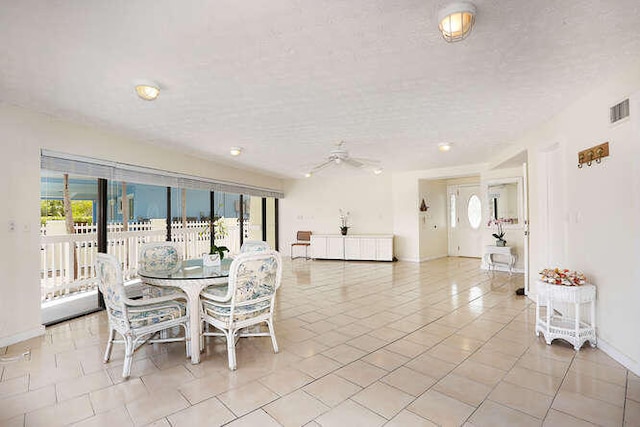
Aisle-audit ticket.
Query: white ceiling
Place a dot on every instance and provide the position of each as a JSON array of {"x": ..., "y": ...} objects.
[{"x": 286, "y": 79}]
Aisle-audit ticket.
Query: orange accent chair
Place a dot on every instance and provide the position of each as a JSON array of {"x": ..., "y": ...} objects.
[{"x": 304, "y": 240}]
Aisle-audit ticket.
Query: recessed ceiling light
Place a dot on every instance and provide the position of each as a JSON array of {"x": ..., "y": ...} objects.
[
  {"x": 307, "y": 175},
  {"x": 148, "y": 91},
  {"x": 235, "y": 151},
  {"x": 444, "y": 146},
  {"x": 377, "y": 171}
]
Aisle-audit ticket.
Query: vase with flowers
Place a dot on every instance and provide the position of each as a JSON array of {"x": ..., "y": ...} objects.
[
  {"x": 344, "y": 222},
  {"x": 499, "y": 235},
  {"x": 216, "y": 253}
]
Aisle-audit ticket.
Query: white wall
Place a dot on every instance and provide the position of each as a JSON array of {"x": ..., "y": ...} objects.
[
  {"x": 314, "y": 204},
  {"x": 379, "y": 204},
  {"x": 599, "y": 218},
  {"x": 406, "y": 230},
  {"x": 19, "y": 250},
  {"x": 23, "y": 134},
  {"x": 434, "y": 239}
]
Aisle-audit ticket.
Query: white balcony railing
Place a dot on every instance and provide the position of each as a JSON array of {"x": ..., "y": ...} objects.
[{"x": 66, "y": 260}]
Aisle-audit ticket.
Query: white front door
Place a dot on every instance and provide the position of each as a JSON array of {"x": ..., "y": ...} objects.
[{"x": 465, "y": 219}]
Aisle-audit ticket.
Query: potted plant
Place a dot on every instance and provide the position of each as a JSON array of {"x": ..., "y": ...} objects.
[
  {"x": 216, "y": 253},
  {"x": 344, "y": 222},
  {"x": 500, "y": 231}
]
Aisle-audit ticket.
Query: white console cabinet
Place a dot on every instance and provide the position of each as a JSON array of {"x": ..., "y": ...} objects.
[
  {"x": 355, "y": 247},
  {"x": 335, "y": 247},
  {"x": 327, "y": 247}
]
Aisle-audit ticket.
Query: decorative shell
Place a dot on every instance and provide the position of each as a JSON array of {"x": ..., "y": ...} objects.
[{"x": 559, "y": 276}]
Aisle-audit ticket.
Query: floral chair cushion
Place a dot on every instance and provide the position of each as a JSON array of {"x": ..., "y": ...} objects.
[
  {"x": 109, "y": 278},
  {"x": 222, "y": 312},
  {"x": 159, "y": 258},
  {"x": 255, "y": 279},
  {"x": 149, "y": 314},
  {"x": 254, "y": 246}
]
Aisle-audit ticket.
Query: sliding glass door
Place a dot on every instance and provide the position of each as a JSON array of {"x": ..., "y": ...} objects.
[
  {"x": 68, "y": 239},
  {"x": 227, "y": 211},
  {"x": 136, "y": 214},
  {"x": 190, "y": 217}
]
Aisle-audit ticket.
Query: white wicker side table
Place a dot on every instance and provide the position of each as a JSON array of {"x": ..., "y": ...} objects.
[{"x": 574, "y": 330}]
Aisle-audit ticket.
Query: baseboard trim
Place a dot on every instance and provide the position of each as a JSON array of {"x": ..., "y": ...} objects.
[
  {"x": 615, "y": 354},
  {"x": 22, "y": 336},
  {"x": 409, "y": 259},
  {"x": 431, "y": 258}
]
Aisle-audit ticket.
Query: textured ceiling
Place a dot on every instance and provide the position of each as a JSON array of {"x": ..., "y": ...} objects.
[{"x": 286, "y": 79}]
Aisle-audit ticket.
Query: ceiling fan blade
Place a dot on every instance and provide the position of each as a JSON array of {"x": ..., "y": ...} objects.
[
  {"x": 353, "y": 162},
  {"x": 321, "y": 166},
  {"x": 368, "y": 162}
]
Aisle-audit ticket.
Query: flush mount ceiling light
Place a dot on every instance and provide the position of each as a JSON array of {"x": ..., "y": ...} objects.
[
  {"x": 444, "y": 146},
  {"x": 147, "y": 90},
  {"x": 456, "y": 21},
  {"x": 235, "y": 151}
]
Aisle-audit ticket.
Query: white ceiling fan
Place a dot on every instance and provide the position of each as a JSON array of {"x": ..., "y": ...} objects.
[{"x": 340, "y": 156}]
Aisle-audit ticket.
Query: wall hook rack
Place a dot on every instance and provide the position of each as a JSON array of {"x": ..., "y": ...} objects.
[{"x": 593, "y": 154}]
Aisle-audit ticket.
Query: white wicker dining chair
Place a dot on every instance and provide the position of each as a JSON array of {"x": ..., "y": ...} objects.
[
  {"x": 249, "y": 299},
  {"x": 136, "y": 320},
  {"x": 254, "y": 246}
]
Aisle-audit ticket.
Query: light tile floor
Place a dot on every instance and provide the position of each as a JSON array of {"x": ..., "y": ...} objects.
[{"x": 398, "y": 344}]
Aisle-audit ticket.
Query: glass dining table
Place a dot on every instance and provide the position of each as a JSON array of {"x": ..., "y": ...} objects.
[{"x": 192, "y": 277}]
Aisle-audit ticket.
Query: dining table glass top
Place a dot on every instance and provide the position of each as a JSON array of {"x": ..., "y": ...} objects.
[{"x": 193, "y": 269}]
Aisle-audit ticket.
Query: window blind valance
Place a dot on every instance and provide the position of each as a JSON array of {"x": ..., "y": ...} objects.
[{"x": 116, "y": 171}]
